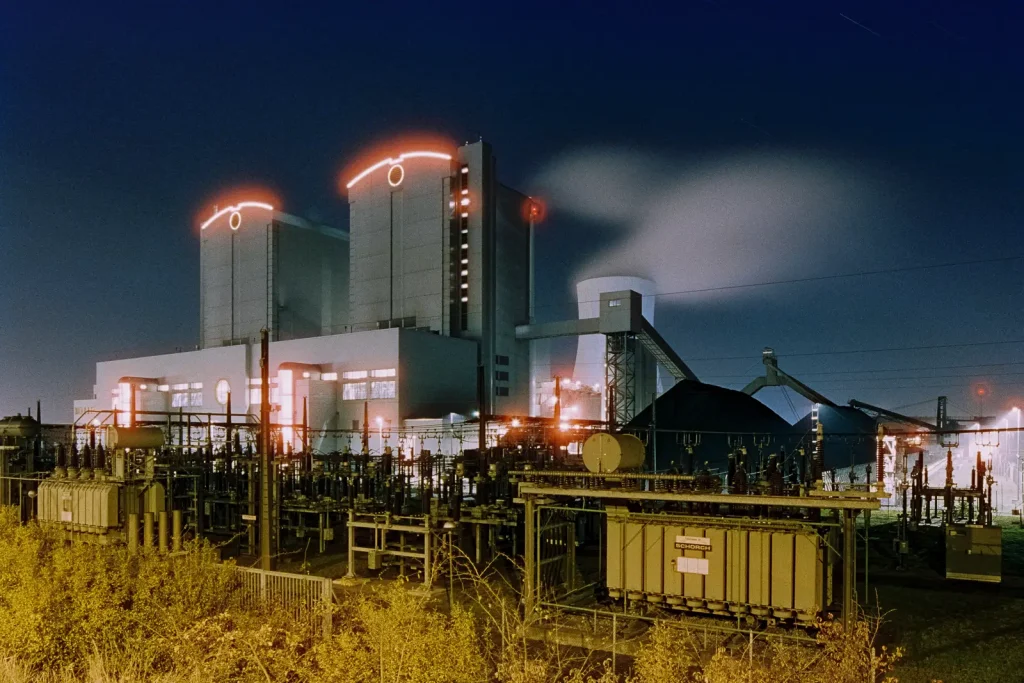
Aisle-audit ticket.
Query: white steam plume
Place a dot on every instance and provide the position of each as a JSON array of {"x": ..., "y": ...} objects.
[{"x": 738, "y": 220}]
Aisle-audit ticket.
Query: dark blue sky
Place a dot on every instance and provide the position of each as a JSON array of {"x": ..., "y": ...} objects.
[{"x": 118, "y": 122}]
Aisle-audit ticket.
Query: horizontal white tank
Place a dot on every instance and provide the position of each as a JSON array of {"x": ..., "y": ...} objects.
[{"x": 604, "y": 452}]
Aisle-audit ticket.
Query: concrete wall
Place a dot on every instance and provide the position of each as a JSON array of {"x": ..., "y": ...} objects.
[
  {"x": 511, "y": 295},
  {"x": 234, "y": 280},
  {"x": 398, "y": 245},
  {"x": 310, "y": 282},
  {"x": 275, "y": 271},
  {"x": 434, "y": 376},
  {"x": 439, "y": 375}
]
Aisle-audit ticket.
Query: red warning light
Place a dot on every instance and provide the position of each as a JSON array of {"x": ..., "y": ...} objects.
[
  {"x": 534, "y": 210},
  {"x": 981, "y": 391}
]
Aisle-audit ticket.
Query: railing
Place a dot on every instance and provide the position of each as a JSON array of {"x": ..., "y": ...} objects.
[{"x": 307, "y": 598}]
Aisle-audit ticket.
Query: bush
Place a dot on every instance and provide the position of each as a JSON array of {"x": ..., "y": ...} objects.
[{"x": 100, "y": 615}]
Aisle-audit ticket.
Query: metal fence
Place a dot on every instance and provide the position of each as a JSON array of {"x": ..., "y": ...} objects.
[{"x": 307, "y": 598}]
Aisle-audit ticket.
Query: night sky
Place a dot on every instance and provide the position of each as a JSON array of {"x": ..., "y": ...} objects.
[{"x": 704, "y": 144}]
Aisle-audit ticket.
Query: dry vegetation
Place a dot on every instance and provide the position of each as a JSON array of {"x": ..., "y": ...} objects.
[{"x": 81, "y": 613}]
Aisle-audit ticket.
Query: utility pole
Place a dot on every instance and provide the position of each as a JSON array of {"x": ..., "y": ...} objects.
[{"x": 266, "y": 462}]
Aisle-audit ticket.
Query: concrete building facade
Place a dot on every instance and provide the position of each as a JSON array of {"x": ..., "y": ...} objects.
[{"x": 262, "y": 268}]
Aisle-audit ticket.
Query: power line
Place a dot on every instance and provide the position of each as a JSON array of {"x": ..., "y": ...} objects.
[
  {"x": 812, "y": 278},
  {"x": 841, "y": 352}
]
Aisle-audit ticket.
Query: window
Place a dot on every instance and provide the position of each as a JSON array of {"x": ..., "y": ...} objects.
[
  {"x": 382, "y": 389},
  {"x": 354, "y": 374},
  {"x": 255, "y": 397},
  {"x": 501, "y": 391},
  {"x": 501, "y": 375},
  {"x": 614, "y": 302},
  {"x": 222, "y": 391},
  {"x": 355, "y": 424},
  {"x": 329, "y": 377},
  {"x": 179, "y": 399},
  {"x": 355, "y": 391},
  {"x": 196, "y": 399},
  {"x": 179, "y": 387},
  {"x": 389, "y": 372},
  {"x": 164, "y": 387},
  {"x": 501, "y": 360},
  {"x": 195, "y": 385}
]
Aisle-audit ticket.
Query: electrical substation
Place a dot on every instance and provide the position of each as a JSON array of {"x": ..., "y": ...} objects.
[{"x": 367, "y": 397}]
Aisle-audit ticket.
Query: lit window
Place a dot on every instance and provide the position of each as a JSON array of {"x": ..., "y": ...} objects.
[
  {"x": 255, "y": 397},
  {"x": 388, "y": 372},
  {"x": 614, "y": 302},
  {"x": 179, "y": 387},
  {"x": 355, "y": 374},
  {"x": 465, "y": 285},
  {"x": 164, "y": 387},
  {"x": 355, "y": 391},
  {"x": 465, "y": 214},
  {"x": 464, "y": 201},
  {"x": 195, "y": 385},
  {"x": 465, "y": 272},
  {"x": 196, "y": 399},
  {"x": 465, "y": 261},
  {"x": 465, "y": 246},
  {"x": 329, "y": 376},
  {"x": 382, "y": 389},
  {"x": 256, "y": 382},
  {"x": 465, "y": 299},
  {"x": 223, "y": 390},
  {"x": 179, "y": 399},
  {"x": 465, "y": 190},
  {"x": 465, "y": 169}
]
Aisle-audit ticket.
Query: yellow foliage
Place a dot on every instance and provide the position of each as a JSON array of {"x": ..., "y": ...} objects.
[{"x": 79, "y": 613}]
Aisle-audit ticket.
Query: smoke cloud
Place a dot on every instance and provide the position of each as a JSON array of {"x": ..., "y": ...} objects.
[{"x": 738, "y": 220}]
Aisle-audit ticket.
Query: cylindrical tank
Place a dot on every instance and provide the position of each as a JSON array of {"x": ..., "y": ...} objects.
[
  {"x": 134, "y": 437},
  {"x": 19, "y": 427},
  {"x": 604, "y": 452}
]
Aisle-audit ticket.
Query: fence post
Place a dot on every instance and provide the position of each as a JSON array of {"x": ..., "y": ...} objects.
[
  {"x": 326, "y": 595},
  {"x": 615, "y": 635}
]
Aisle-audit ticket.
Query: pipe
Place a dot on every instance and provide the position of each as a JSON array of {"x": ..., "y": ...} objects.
[
  {"x": 162, "y": 531},
  {"x": 176, "y": 531},
  {"x": 132, "y": 531},
  {"x": 147, "y": 530}
]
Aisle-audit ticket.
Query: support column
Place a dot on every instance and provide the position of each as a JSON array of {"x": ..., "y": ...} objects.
[
  {"x": 176, "y": 531},
  {"x": 428, "y": 558},
  {"x": 132, "y": 532},
  {"x": 849, "y": 568},
  {"x": 162, "y": 531},
  {"x": 351, "y": 545},
  {"x": 530, "y": 554},
  {"x": 147, "y": 530}
]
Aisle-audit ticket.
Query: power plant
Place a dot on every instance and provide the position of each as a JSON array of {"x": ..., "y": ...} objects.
[{"x": 365, "y": 395}]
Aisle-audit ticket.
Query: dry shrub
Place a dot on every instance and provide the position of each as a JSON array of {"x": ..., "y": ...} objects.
[
  {"x": 839, "y": 657},
  {"x": 78, "y": 613}
]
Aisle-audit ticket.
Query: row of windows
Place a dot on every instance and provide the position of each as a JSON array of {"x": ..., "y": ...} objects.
[
  {"x": 357, "y": 391},
  {"x": 187, "y": 399},
  {"x": 463, "y": 223},
  {"x": 363, "y": 374}
]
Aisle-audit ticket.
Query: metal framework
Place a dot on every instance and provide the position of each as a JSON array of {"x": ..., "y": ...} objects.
[{"x": 620, "y": 376}]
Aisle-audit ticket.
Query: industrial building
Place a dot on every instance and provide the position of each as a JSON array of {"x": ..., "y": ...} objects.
[
  {"x": 390, "y": 322},
  {"x": 380, "y": 346}
]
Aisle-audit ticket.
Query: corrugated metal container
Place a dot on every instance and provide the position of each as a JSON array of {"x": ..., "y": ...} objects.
[
  {"x": 768, "y": 572},
  {"x": 79, "y": 505}
]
